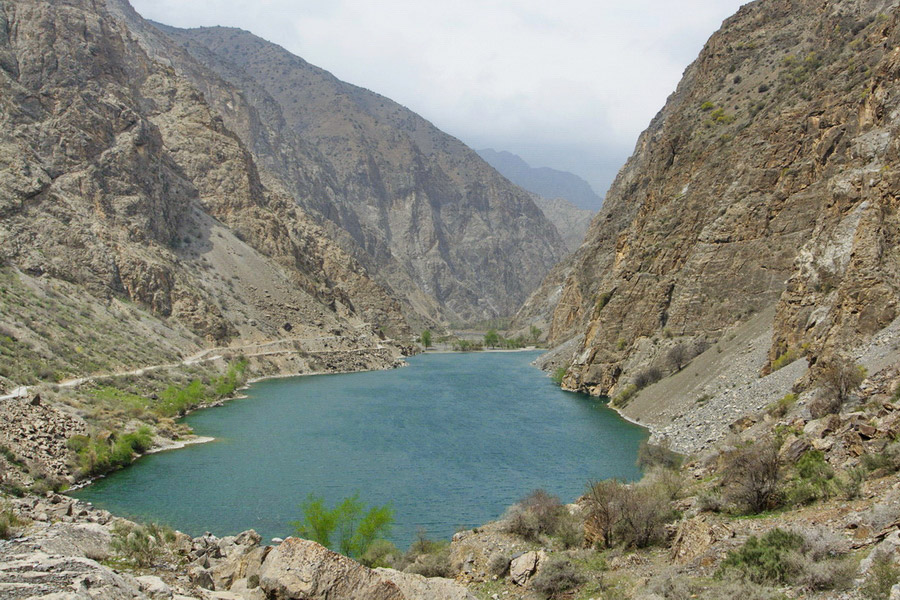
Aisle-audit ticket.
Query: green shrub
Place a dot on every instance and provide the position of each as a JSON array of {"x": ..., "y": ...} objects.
[
  {"x": 556, "y": 577},
  {"x": 622, "y": 399},
  {"x": 764, "y": 560},
  {"x": 707, "y": 106},
  {"x": 8, "y": 521},
  {"x": 887, "y": 460},
  {"x": 380, "y": 553},
  {"x": 538, "y": 513},
  {"x": 784, "y": 359},
  {"x": 882, "y": 576},
  {"x": 558, "y": 375},
  {"x": 99, "y": 455},
  {"x": 427, "y": 557},
  {"x": 781, "y": 407},
  {"x": 815, "y": 479},
  {"x": 356, "y": 528},
  {"x": 141, "y": 545}
]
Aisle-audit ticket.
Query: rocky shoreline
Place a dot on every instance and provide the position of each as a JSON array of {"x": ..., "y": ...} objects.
[{"x": 70, "y": 550}]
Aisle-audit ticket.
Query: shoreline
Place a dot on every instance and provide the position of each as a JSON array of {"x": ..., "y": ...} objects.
[{"x": 528, "y": 349}]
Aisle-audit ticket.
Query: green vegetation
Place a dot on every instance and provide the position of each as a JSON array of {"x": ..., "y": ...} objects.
[
  {"x": 784, "y": 359},
  {"x": 811, "y": 561},
  {"x": 8, "y": 521},
  {"x": 558, "y": 375},
  {"x": 535, "y": 334},
  {"x": 141, "y": 545},
  {"x": 795, "y": 70},
  {"x": 541, "y": 515},
  {"x": 882, "y": 576},
  {"x": 622, "y": 399},
  {"x": 176, "y": 401},
  {"x": 602, "y": 301},
  {"x": 556, "y": 577},
  {"x": 347, "y": 528},
  {"x": 707, "y": 106},
  {"x": 492, "y": 338},
  {"x": 781, "y": 407},
  {"x": 467, "y": 346},
  {"x": 815, "y": 480},
  {"x": 107, "y": 452},
  {"x": 764, "y": 560},
  {"x": 425, "y": 338}
]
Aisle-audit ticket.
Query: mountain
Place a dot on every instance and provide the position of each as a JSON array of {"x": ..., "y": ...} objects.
[
  {"x": 134, "y": 226},
  {"x": 570, "y": 221},
  {"x": 764, "y": 192},
  {"x": 428, "y": 218},
  {"x": 543, "y": 181}
]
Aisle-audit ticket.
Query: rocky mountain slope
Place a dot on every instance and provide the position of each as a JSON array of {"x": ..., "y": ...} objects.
[
  {"x": 768, "y": 181},
  {"x": 132, "y": 218},
  {"x": 543, "y": 181},
  {"x": 423, "y": 213}
]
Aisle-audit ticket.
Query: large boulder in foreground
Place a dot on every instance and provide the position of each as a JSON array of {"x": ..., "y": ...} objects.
[{"x": 304, "y": 570}]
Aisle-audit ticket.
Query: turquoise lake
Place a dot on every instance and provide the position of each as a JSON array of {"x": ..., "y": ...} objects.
[{"x": 450, "y": 441}]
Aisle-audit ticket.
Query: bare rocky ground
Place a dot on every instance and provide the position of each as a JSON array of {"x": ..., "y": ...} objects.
[{"x": 697, "y": 407}]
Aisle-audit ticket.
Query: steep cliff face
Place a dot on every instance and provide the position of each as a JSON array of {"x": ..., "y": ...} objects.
[
  {"x": 431, "y": 220},
  {"x": 117, "y": 179},
  {"x": 769, "y": 178}
]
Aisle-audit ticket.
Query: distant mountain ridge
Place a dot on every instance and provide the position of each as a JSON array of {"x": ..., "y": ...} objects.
[{"x": 544, "y": 181}]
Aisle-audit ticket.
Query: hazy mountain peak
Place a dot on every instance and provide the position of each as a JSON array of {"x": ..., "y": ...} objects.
[{"x": 543, "y": 181}]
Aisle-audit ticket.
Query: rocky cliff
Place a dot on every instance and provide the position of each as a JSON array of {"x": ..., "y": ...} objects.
[
  {"x": 119, "y": 183},
  {"x": 448, "y": 235},
  {"x": 768, "y": 180}
]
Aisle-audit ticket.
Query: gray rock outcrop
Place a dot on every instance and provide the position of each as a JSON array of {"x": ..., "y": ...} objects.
[{"x": 304, "y": 570}]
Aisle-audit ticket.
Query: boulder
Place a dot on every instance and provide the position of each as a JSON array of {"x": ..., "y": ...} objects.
[
  {"x": 154, "y": 587},
  {"x": 77, "y": 539},
  {"x": 417, "y": 587},
  {"x": 242, "y": 562},
  {"x": 695, "y": 537},
  {"x": 523, "y": 567},
  {"x": 304, "y": 570}
]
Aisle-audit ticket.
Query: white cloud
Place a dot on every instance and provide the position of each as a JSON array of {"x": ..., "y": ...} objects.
[{"x": 567, "y": 84}]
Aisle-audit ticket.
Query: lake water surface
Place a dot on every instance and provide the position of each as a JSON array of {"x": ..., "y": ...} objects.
[{"x": 450, "y": 441}]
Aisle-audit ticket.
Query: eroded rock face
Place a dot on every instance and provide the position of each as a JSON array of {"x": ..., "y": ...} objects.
[
  {"x": 118, "y": 177},
  {"x": 303, "y": 570},
  {"x": 769, "y": 178},
  {"x": 424, "y": 213}
]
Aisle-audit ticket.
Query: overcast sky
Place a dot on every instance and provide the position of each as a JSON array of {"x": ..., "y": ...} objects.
[{"x": 567, "y": 84}]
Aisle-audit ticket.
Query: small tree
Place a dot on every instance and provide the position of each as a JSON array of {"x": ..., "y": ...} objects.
[
  {"x": 604, "y": 500},
  {"x": 356, "y": 528},
  {"x": 535, "y": 333},
  {"x": 753, "y": 477},
  {"x": 492, "y": 338},
  {"x": 678, "y": 356},
  {"x": 426, "y": 338},
  {"x": 841, "y": 377}
]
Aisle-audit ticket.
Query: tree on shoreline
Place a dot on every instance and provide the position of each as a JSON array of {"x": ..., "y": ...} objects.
[
  {"x": 425, "y": 338},
  {"x": 356, "y": 531}
]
